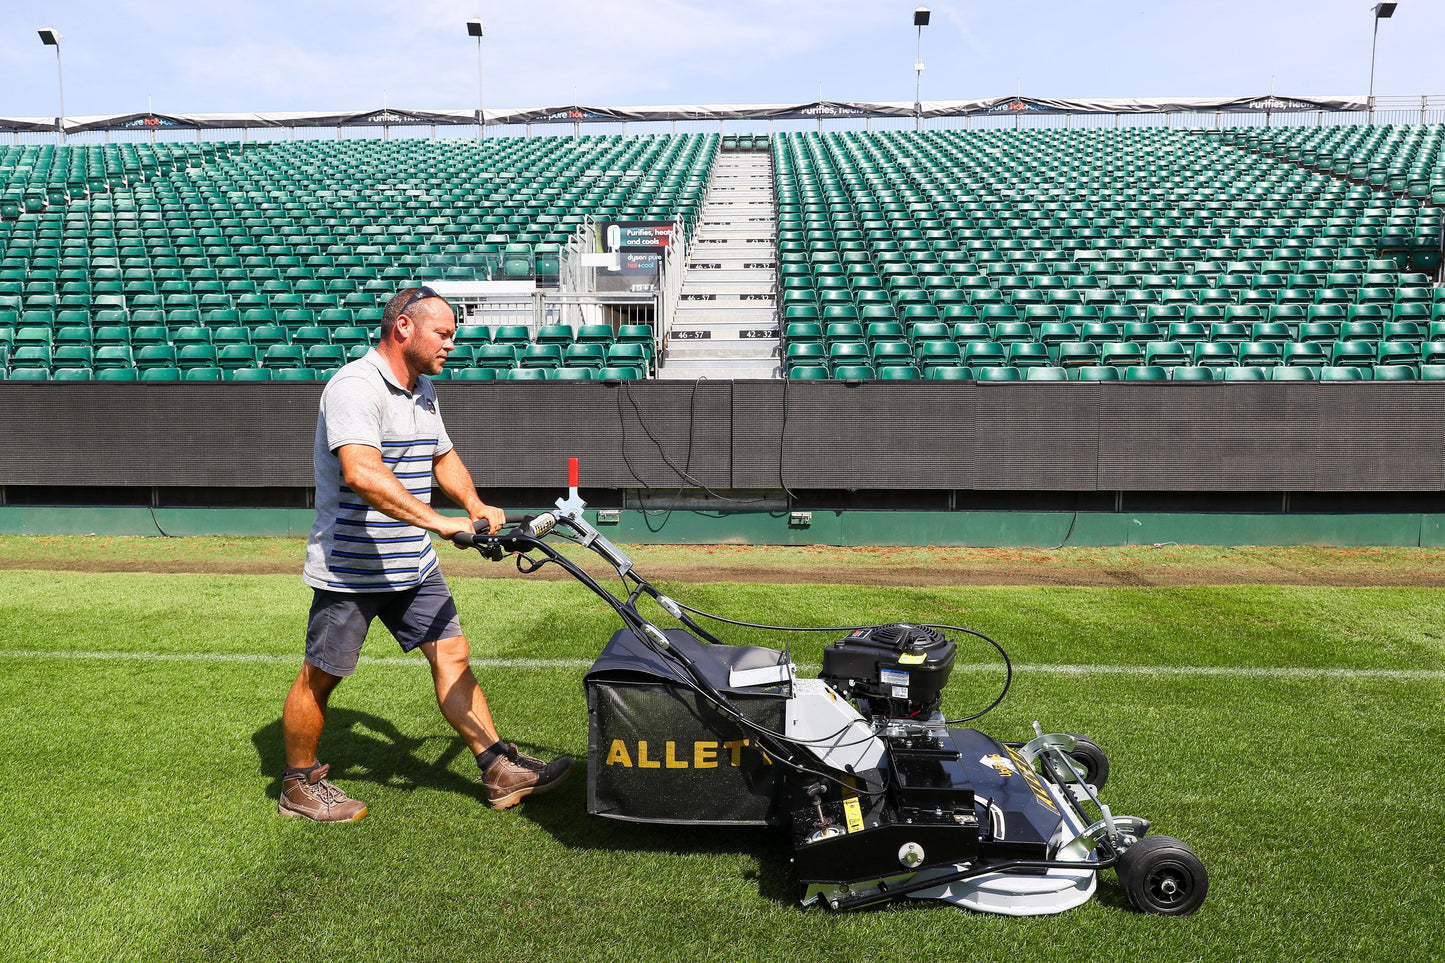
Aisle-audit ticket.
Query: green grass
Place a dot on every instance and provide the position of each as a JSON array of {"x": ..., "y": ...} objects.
[{"x": 137, "y": 796}]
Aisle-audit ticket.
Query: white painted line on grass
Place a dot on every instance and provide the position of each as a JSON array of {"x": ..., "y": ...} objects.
[
  {"x": 417, "y": 660},
  {"x": 1233, "y": 671}
]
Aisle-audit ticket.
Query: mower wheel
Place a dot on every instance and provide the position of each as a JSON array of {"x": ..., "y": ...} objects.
[
  {"x": 1162, "y": 875},
  {"x": 1091, "y": 759}
]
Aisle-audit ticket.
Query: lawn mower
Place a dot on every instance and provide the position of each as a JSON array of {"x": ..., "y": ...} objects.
[{"x": 882, "y": 797}]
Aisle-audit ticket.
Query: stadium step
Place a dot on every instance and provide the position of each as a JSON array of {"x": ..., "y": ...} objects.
[{"x": 725, "y": 325}]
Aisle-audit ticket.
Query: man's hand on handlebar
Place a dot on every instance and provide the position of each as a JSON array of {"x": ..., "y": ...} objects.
[
  {"x": 493, "y": 516},
  {"x": 452, "y": 527}
]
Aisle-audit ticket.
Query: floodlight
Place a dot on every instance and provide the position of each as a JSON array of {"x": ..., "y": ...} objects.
[
  {"x": 474, "y": 29},
  {"x": 51, "y": 38},
  {"x": 920, "y": 20},
  {"x": 1382, "y": 11}
]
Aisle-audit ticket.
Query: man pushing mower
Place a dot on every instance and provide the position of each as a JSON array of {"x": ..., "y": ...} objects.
[{"x": 380, "y": 447}]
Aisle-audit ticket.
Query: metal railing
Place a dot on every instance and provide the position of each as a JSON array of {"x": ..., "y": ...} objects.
[{"x": 670, "y": 278}]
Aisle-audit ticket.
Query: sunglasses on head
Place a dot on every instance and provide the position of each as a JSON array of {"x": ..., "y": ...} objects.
[{"x": 420, "y": 294}]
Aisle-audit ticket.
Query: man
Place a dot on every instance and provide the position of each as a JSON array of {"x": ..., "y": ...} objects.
[{"x": 380, "y": 445}]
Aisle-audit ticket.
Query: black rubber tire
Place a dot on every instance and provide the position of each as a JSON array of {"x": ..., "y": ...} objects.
[
  {"x": 1162, "y": 875},
  {"x": 1091, "y": 759}
]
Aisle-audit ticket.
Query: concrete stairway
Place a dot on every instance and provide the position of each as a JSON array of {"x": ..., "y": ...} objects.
[{"x": 726, "y": 324}]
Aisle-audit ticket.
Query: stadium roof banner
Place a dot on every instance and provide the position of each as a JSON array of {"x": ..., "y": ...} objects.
[{"x": 573, "y": 114}]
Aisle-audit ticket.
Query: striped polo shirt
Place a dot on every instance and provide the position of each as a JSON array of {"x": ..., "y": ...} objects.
[{"x": 353, "y": 547}]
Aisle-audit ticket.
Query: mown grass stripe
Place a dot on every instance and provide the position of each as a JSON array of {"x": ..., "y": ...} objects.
[{"x": 1236, "y": 671}]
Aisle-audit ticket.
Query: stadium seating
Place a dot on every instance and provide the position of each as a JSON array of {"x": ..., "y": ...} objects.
[
  {"x": 169, "y": 244},
  {"x": 942, "y": 254},
  {"x": 1192, "y": 252}
]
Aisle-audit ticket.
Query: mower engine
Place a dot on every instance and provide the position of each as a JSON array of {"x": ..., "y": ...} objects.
[{"x": 896, "y": 671}]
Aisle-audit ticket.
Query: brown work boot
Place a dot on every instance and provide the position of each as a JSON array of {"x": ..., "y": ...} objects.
[
  {"x": 512, "y": 775},
  {"x": 310, "y": 795}
]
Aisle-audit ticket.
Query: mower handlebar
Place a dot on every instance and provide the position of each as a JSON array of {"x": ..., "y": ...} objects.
[{"x": 496, "y": 544}]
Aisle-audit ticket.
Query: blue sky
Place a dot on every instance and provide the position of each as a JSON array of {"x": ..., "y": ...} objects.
[{"x": 323, "y": 55}]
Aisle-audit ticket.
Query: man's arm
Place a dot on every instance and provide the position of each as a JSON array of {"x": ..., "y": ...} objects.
[
  {"x": 453, "y": 478},
  {"x": 364, "y": 473}
]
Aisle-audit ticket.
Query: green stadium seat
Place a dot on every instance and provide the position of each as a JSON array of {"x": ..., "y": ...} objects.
[
  {"x": 155, "y": 356},
  {"x": 1121, "y": 354},
  {"x": 1306, "y": 354},
  {"x": 1049, "y": 373},
  {"x": 541, "y": 356},
  {"x": 595, "y": 334},
  {"x": 1191, "y": 373},
  {"x": 323, "y": 356},
  {"x": 308, "y": 335},
  {"x": 805, "y": 372},
  {"x": 620, "y": 373},
  {"x": 350, "y": 335},
  {"x": 247, "y": 374},
  {"x": 196, "y": 355},
  {"x": 264, "y": 336},
  {"x": 236, "y": 357},
  {"x": 279, "y": 356},
  {"x": 475, "y": 374},
  {"x": 998, "y": 373},
  {"x": 628, "y": 354},
  {"x": 1286, "y": 372},
  {"x": 512, "y": 334},
  {"x": 1260, "y": 353}
]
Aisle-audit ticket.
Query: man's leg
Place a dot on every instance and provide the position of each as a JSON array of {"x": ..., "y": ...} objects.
[
  {"x": 305, "y": 714},
  {"x": 335, "y": 631},
  {"x": 460, "y": 698},
  {"x": 304, "y": 789},
  {"x": 508, "y": 774}
]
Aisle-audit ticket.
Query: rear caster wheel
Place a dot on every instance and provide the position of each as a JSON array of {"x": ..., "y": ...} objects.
[
  {"x": 1161, "y": 875},
  {"x": 1091, "y": 761}
]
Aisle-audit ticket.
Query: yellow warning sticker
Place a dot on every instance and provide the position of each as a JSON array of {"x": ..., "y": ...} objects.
[
  {"x": 910, "y": 658},
  {"x": 853, "y": 813}
]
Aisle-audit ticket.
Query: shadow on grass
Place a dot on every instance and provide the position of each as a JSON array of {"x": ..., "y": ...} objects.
[
  {"x": 368, "y": 748},
  {"x": 563, "y": 814},
  {"x": 363, "y": 747}
]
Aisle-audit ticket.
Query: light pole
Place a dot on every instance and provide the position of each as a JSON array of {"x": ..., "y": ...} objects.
[
  {"x": 920, "y": 20},
  {"x": 51, "y": 38},
  {"x": 474, "y": 29},
  {"x": 1383, "y": 11}
]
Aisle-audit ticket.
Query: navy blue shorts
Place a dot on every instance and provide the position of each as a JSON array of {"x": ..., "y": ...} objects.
[{"x": 339, "y": 621}]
